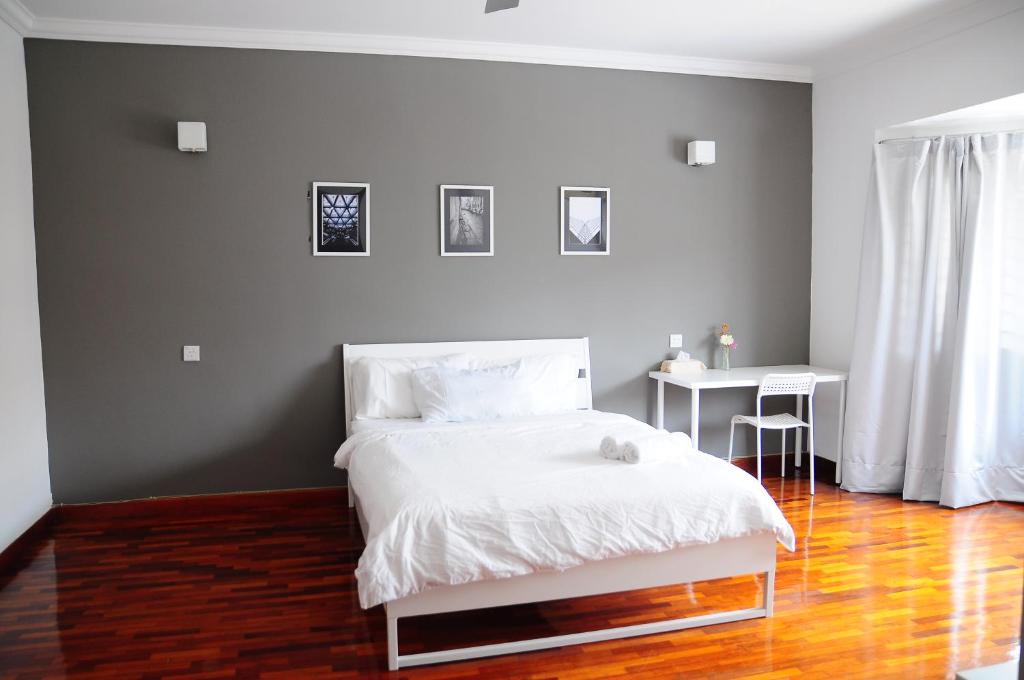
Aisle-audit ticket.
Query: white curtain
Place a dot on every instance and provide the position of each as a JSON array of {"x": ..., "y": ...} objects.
[{"x": 936, "y": 403}]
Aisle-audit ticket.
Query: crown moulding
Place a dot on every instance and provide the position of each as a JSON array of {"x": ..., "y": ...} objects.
[
  {"x": 16, "y": 15},
  {"x": 23, "y": 21}
]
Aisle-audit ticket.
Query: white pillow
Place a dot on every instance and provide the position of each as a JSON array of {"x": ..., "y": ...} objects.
[
  {"x": 382, "y": 388},
  {"x": 534, "y": 385},
  {"x": 555, "y": 380}
]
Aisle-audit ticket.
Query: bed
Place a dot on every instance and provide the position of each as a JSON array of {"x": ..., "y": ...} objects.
[{"x": 469, "y": 515}]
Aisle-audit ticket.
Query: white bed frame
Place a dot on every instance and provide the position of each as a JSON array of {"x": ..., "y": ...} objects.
[{"x": 731, "y": 557}]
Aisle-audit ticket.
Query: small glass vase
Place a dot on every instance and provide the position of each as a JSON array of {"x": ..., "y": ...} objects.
[{"x": 723, "y": 361}]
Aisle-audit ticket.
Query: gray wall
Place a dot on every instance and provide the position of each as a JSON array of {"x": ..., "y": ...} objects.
[{"x": 142, "y": 249}]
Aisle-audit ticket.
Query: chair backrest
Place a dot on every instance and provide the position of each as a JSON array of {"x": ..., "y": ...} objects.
[{"x": 786, "y": 383}]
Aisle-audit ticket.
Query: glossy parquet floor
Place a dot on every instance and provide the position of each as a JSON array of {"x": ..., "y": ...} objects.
[{"x": 877, "y": 588}]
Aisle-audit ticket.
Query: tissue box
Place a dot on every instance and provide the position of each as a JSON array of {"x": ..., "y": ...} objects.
[{"x": 682, "y": 366}]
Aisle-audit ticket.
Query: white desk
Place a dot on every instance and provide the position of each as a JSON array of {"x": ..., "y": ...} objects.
[{"x": 748, "y": 376}]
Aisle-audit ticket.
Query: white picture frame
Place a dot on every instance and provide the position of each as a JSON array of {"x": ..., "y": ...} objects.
[
  {"x": 484, "y": 230},
  {"x": 319, "y": 248},
  {"x": 604, "y": 215}
]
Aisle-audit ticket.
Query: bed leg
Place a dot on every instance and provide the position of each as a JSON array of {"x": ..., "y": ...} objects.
[
  {"x": 351, "y": 496},
  {"x": 769, "y": 592},
  {"x": 392, "y": 643}
]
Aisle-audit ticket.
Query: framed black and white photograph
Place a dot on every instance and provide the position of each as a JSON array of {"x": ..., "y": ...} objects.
[
  {"x": 467, "y": 220},
  {"x": 586, "y": 226},
  {"x": 341, "y": 218}
]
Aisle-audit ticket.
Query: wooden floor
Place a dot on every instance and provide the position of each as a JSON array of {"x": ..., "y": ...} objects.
[{"x": 876, "y": 588}]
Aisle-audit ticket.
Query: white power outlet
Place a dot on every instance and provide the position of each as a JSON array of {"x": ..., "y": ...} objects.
[
  {"x": 675, "y": 340},
  {"x": 190, "y": 353}
]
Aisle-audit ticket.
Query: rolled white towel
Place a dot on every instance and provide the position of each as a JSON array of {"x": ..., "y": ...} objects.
[
  {"x": 610, "y": 448},
  {"x": 656, "y": 446}
]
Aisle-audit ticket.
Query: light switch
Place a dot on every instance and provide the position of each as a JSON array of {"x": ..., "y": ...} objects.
[
  {"x": 190, "y": 353},
  {"x": 675, "y": 340}
]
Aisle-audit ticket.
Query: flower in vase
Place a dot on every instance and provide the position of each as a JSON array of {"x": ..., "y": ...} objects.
[{"x": 726, "y": 340}]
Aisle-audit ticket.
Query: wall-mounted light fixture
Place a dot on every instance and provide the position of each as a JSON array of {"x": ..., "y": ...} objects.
[
  {"x": 191, "y": 136},
  {"x": 700, "y": 153}
]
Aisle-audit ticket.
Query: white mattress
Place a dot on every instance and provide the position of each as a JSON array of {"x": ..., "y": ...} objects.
[
  {"x": 454, "y": 503},
  {"x": 384, "y": 424}
]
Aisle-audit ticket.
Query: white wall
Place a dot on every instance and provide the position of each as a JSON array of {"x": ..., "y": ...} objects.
[
  {"x": 24, "y": 469},
  {"x": 976, "y": 65}
]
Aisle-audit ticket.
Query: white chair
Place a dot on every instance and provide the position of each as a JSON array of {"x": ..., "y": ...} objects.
[{"x": 781, "y": 384}]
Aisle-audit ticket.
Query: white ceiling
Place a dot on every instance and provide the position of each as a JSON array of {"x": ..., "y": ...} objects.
[
  {"x": 994, "y": 116},
  {"x": 783, "y": 39}
]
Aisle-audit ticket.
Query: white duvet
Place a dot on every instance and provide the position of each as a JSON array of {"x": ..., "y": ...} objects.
[{"x": 452, "y": 503}]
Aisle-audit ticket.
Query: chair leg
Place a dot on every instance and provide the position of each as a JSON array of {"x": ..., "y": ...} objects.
[
  {"x": 732, "y": 431},
  {"x": 759, "y": 454},
  {"x": 810, "y": 444},
  {"x": 783, "y": 452}
]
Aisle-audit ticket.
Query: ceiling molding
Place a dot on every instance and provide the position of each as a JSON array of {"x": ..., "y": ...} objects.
[
  {"x": 16, "y": 15},
  {"x": 208, "y": 36}
]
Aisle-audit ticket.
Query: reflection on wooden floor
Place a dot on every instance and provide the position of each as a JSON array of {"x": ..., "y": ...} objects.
[{"x": 876, "y": 588}]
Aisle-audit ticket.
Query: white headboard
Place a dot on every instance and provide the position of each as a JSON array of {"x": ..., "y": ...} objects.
[{"x": 485, "y": 349}]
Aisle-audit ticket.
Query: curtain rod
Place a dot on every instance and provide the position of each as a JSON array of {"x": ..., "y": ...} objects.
[{"x": 956, "y": 134}]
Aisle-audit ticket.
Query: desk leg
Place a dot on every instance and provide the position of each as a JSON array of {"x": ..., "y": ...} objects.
[
  {"x": 659, "y": 414},
  {"x": 695, "y": 418},
  {"x": 798, "y": 451},
  {"x": 840, "y": 426}
]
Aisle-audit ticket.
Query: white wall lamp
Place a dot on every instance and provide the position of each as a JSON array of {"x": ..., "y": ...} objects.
[
  {"x": 191, "y": 137},
  {"x": 700, "y": 153}
]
